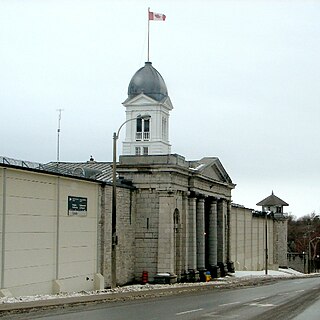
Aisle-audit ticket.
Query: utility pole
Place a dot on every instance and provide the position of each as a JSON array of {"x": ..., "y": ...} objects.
[
  {"x": 266, "y": 236},
  {"x": 58, "y": 137}
]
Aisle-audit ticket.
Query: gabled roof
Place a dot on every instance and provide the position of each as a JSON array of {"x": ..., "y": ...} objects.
[
  {"x": 272, "y": 200},
  {"x": 212, "y": 168}
]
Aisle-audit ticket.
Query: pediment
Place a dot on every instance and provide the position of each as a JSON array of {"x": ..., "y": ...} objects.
[
  {"x": 140, "y": 99},
  {"x": 144, "y": 100},
  {"x": 212, "y": 168}
]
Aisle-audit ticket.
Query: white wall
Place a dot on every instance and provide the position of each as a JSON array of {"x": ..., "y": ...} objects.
[
  {"x": 248, "y": 240},
  {"x": 39, "y": 233}
]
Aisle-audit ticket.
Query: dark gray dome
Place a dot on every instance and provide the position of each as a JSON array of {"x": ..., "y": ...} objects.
[{"x": 149, "y": 81}]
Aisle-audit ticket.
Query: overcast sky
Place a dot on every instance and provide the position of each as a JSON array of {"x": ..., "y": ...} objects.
[{"x": 243, "y": 77}]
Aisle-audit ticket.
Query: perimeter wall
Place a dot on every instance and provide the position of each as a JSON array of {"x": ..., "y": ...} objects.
[
  {"x": 248, "y": 240},
  {"x": 47, "y": 246}
]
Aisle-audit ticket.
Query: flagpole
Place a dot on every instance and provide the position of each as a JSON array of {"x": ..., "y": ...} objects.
[{"x": 148, "y": 32}]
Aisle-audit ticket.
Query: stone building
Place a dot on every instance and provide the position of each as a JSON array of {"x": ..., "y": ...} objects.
[
  {"x": 183, "y": 206},
  {"x": 175, "y": 218},
  {"x": 186, "y": 223},
  {"x": 183, "y": 213}
]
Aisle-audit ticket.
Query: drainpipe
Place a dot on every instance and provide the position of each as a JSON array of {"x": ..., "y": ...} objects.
[
  {"x": 58, "y": 229},
  {"x": 3, "y": 246}
]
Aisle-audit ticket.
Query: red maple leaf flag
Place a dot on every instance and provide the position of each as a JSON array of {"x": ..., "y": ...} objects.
[{"x": 156, "y": 16}]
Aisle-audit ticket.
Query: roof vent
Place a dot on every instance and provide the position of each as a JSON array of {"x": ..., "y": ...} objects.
[{"x": 86, "y": 172}]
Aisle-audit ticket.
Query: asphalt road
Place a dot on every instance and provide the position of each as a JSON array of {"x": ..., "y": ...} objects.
[{"x": 284, "y": 299}]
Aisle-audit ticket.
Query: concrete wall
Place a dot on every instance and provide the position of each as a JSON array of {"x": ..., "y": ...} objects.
[
  {"x": 43, "y": 249},
  {"x": 248, "y": 240}
]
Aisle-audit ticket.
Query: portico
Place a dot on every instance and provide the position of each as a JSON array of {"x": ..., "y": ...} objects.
[{"x": 185, "y": 208}]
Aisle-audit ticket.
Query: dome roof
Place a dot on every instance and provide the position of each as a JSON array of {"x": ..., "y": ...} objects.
[{"x": 148, "y": 80}]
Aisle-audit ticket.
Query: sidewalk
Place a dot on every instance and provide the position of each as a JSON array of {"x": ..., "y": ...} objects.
[{"x": 239, "y": 278}]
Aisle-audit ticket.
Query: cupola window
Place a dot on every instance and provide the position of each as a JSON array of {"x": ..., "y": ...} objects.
[
  {"x": 164, "y": 128},
  {"x": 137, "y": 151},
  {"x": 143, "y": 130},
  {"x": 145, "y": 151}
]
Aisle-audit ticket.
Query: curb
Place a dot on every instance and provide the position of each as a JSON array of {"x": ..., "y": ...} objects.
[{"x": 142, "y": 294}]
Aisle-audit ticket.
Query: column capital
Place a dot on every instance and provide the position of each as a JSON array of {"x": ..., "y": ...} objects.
[
  {"x": 185, "y": 194},
  {"x": 196, "y": 194},
  {"x": 213, "y": 199},
  {"x": 192, "y": 194},
  {"x": 201, "y": 199}
]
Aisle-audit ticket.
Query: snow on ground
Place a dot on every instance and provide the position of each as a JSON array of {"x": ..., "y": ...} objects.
[
  {"x": 138, "y": 287},
  {"x": 280, "y": 272}
]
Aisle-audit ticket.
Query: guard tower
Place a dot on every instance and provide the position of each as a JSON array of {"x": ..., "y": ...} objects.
[
  {"x": 273, "y": 204},
  {"x": 279, "y": 223},
  {"x": 147, "y": 95}
]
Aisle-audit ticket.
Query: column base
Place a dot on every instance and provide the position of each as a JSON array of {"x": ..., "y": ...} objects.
[
  {"x": 223, "y": 269},
  {"x": 184, "y": 276},
  {"x": 230, "y": 266},
  {"x": 193, "y": 275},
  {"x": 202, "y": 275},
  {"x": 215, "y": 271},
  {"x": 165, "y": 278}
]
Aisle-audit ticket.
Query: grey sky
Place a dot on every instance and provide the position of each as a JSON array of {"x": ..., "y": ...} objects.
[{"x": 243, "y": 77}]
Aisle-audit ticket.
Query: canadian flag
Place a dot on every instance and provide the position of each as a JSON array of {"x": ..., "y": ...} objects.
[{"x": 156, "y": 16}]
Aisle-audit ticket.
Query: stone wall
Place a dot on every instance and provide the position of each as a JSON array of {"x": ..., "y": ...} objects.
[
  {"x": 146, "y": 233},
  {"x": 126, "y": 221},
  {"x": 298, "y": 261},
  {"x": 280, "y": 241}
]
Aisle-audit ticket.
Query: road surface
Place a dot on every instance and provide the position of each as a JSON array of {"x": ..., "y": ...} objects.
[{"x": 284, "y": 299}]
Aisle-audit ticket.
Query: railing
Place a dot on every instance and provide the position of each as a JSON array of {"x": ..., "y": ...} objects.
[
  {"x": 21, "y": 163},
  {"x": 145, "y": 136}
]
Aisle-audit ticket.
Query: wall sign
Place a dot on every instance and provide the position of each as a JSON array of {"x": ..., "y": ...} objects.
[{"x": 77, "y": 206}]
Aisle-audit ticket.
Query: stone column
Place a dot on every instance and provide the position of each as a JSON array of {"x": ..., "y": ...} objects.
[
  {"x": 228, "y": 235},
  {"x": 192, "y": 244},
  {"x": 212, "y": 236},
  {"x": 221, "y": 224},
  {"x": 200, "y": 235},
  {"x": 177, "y": 243},
  {"x": 165, "y": 260},
  {"x": 185, "y": 232}
]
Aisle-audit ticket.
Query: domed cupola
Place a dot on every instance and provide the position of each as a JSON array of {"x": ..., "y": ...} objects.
[
  {"x": 147, "y": 96},
  {"x": 148, "y": 80}
]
